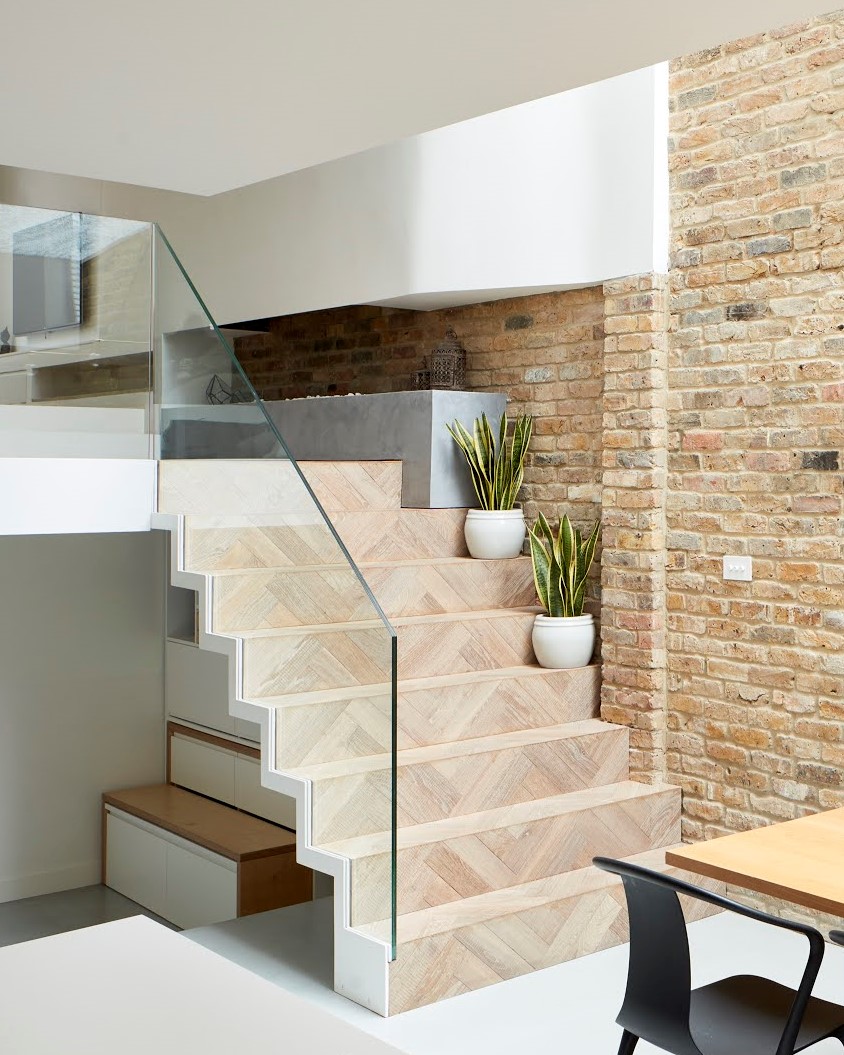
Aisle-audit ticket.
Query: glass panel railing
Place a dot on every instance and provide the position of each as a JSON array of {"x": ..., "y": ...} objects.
[
  {"x": 316, "y": 645},
  {"x": 75, "y": 331}
]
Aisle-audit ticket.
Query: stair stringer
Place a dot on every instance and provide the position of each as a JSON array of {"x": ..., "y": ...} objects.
[{"x": 361, "y": 961}]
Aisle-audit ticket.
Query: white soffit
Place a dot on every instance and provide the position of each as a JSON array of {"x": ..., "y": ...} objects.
[{"x": 203, "y": 96}]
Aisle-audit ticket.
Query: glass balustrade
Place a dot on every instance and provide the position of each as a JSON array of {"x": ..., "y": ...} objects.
[
  {"x": 340, "y": 705},
  {"x": 107, "y": 350}
]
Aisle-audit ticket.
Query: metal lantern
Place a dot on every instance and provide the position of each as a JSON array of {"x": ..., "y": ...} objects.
[
  {"x": 421, "y": 379},
  {"x": 448, "y": 362}
]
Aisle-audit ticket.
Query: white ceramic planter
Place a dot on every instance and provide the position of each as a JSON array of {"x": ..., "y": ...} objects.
[
  {"x": 495, "y": 534},
  {"x": 562, "y": 643}
]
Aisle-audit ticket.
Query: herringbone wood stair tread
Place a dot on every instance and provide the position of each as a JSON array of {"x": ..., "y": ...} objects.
[
  {"x": 414, "y": 562},
  {"x": 442, "y": 681},
  {"x": 459, "y": 749},
  {"x": 405, "y": 620},
  {"x": 495, "y": 904},
  {"x": 505, "y": 816},
  {"x": 231, "y": 485}
]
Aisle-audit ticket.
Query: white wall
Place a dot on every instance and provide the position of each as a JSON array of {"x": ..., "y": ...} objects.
[
  {"x": 549, "y": 194},
  {"x": 81, "y": 697}
]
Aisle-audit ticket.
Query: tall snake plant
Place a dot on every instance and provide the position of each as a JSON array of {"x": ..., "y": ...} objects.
[
  {"x": 497, "y": 468},
  {"x": 561, "y": 564}
]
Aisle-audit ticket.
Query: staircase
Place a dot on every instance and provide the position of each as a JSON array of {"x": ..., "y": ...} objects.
[{"x": 508, "y": 782}]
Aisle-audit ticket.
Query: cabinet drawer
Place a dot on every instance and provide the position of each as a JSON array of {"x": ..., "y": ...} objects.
[
  {"x": 207, "y": 765},
  {"x": 200, "y": 888},
  {"x": 196, "y": 686},
  {"x": 136, "y": 863},
  {"x": 251, "y": 795},
  {"x": 195, "y": 861},
  {"x": 203, "y": 767},
  {"x": 185, "y": 884}
]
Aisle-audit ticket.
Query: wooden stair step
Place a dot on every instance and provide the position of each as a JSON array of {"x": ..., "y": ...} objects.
[
  {"x": 305, "y": 596},
  {"x": 353, "y": 797},
  {"x": 329, "y": 725},
  {"x": 334, "y": 655},
  {"x": 218, "y": 542},
  {"x": 463, "y": 856},
  {"x": 224, "y": 486},
  {"x": 475, "y": 942}
]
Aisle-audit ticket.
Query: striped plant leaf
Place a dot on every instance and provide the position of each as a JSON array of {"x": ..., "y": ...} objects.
[
  {"x": 561, "y": 564},
  {"x": 496, "y": 466}
]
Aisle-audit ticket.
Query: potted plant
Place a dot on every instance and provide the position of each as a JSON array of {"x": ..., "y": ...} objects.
[
  {"x": 497, "y": 529},
  {"x": 563, "y": 637}
]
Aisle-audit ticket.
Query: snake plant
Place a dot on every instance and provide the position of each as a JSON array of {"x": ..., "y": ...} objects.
[
  {"x": 561, "y": 564},
  {"x": 497, "y": 467}
]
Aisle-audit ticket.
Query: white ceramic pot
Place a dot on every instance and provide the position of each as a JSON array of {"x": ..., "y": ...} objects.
[
  {"x": 494, "y": 534},
  {"x": 563, "y": 642}
]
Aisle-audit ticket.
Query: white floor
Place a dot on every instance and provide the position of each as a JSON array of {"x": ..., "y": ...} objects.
[
  {"x": 565, "y": 1010},
  {"x": 135, "y": 987}
]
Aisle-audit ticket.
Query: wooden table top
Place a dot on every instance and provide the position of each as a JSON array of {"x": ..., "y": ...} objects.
[
  {"x": 227, "y": 831},
  {"x": 801, "y": 861}
]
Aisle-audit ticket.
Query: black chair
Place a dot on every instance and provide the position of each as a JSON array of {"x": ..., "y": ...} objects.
[{"x": 742, "y": 1015}]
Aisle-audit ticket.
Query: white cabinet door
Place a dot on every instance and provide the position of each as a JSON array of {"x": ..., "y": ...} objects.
[
  {"x": 201, "y": 888},
  {"x": 252, "y": 796},
  {"x": 14, "y": 387},
  {"x": 196, "y": 686},
  {"x": 136, "y": 863},
  {"x": 203, "y": 767},
  {"x": 247, "y": 730}
]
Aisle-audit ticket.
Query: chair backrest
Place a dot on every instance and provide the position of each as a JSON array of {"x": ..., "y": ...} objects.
[
  {"x": 659, "y": 977},
  {"x": 658, "y": 998}
]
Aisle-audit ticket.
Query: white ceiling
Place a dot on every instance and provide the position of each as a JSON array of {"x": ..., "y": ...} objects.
[{"x": 206, "y": 95}]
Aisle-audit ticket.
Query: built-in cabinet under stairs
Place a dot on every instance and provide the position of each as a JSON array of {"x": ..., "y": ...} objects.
[{"x": 508, "y": 782}]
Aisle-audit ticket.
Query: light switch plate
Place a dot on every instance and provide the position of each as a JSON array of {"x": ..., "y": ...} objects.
[{"x": 740, "y": 568}]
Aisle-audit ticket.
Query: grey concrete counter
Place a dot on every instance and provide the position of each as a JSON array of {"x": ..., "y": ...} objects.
[{"x": 409, "y": 426}]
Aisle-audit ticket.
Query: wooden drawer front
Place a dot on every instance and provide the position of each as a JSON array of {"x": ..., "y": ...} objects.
[
  {"x": 203, "y": 767},
  {"x": 251, "y": 795},
  {"x": 136, "y": 863},
  {"x": 201, "y": 887},
  {"x": 196, "y": 686}
]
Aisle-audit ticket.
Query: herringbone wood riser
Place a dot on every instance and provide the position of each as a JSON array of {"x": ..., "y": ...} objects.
[
  {"x": 475, "y": 862},
  {"x": 219, "y": 542},
  {"x": 220, "y": 487},
  {"x": 347, "y": 804},
  {"x": 265, "y": 599},
  {"x": 479, "y": 705},
  {"x": 587, "y": 916},
  {"x": 300, "y": 661}
]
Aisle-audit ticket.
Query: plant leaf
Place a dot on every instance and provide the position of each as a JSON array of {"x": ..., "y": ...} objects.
[{"x": 541, "y": 567}]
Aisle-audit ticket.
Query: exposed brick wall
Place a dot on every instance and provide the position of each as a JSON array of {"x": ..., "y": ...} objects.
[
  {"x": 633, "y": 585},
  {"x": 354, "y": 349},
  {"x": 756, "y": 428},
  {"x": 545, "y": 352}
]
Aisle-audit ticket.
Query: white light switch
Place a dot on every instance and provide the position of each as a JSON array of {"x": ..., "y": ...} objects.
[{"x": 740, "y": 568}]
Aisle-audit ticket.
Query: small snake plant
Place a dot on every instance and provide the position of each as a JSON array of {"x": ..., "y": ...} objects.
[
  {"x": 561, "y": 564},
  {"x": 496, "y": 467}
]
